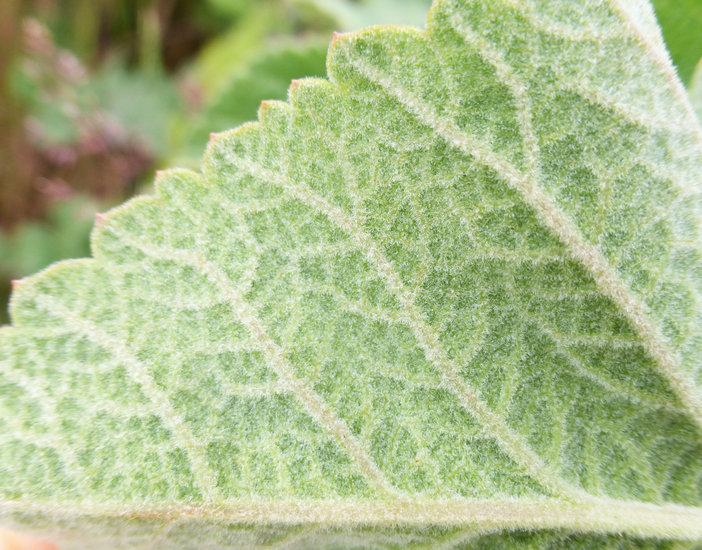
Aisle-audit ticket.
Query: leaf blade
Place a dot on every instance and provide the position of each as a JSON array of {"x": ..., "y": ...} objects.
[{"x": 437, "y": 307}]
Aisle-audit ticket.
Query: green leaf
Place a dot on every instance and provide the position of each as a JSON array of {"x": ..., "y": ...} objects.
[
  {"x": 143, "y": 102},
  {"x": 681, "y": 21},
  {"x": 266, "y": 77},
  {"x": 222, "y": 57},
  {"x": 354, "y": 15},
  {"x": 33, "y": 245},
  {"x": 449, "y": 297},
  {"x": 696, "y": 90}
]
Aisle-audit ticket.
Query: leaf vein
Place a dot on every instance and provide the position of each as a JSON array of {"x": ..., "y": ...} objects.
[
  {"x": 156, "y": 396},
  {"x": 511, "y": 442},
  {"x": 314, "y": 404},
  {"x": 580, "y": 249}
]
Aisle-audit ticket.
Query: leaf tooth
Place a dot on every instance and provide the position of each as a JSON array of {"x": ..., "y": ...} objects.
[
  {"x": 223, "y": 139},
  {"x": 270, "y": 110},
  {"x": 173, "y": 178},
  {"x": 310, "y": 90}
]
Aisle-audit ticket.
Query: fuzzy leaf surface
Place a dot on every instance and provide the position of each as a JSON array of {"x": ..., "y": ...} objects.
[
  {"x": 680, "y": 22},
  {"x": 451, "y": 293},
  {"x": 264, "y": 78},
  {"x": 695, "y": 90}
]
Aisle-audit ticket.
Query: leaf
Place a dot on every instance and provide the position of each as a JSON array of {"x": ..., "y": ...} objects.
[
  {"x": 220, "y": 59},
  {"x": 33, "y": 245},
  {"x": 681, "y": 21},
  {"x": 143, "y": 102},
  {"x": 264, "y": 78},
  {"x": 352, "y": 15},
  {"x": 449, "y": 297},
  {"x": 696, "y": 90}
]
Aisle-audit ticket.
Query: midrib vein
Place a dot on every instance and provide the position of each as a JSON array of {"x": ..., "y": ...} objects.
[
  {"x": 582, "y": 251},
  {"x": 311, "y": 401},
  {"x": 510, "y": 78},
  {"x": 595, "y": 516},
  {"x": 162, "y": 405},
  {"x": 511, "y": 442}
]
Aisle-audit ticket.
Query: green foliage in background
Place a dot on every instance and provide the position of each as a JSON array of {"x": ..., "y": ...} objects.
[
  {"x": 353, "y": 15},
  {"x": 681, "y": 21},
  {"x": 266, "y": 77},
  {"x": 222, "y": 57},
  {"x": 35, "y": 245},
  {"x": 696, "y": 90},
  {"x": 448, "y": 298},
  {"x": 144, "y": 103}
]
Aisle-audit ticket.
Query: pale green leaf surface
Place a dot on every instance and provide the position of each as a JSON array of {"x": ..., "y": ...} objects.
[
  {"x": 265, "y": 77},
  {"x": 452, "y": 291},
  {"x": 354, "y": 15},
  {"x": 696, "y": 90}
]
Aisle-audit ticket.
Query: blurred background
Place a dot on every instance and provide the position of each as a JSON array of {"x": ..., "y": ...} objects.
[{"x": 95, "y": 95}]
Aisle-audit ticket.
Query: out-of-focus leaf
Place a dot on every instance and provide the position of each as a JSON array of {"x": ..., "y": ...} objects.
[
  {"x": 143, "y": 103},
  {"x": 57, "y": 125},
  {"x": 34, "y": 245},
  {"x": 266, "y": 77},
  {"x": 356, "y": 15},
  {"x": 681, "y": 22},
  {"x": 223, "y": 57},
  {"x": 231, "y": 8}
]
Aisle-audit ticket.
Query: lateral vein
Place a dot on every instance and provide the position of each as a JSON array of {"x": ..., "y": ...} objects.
[
  {"x": 468, "y": 397},
  {"x": 654, "y": 48},
  {"x": 314, "y": 404},
  {"x": 681, "y": 383},
  {"x": 509, "y": 76},
  {"x": 156, "y": 396}
]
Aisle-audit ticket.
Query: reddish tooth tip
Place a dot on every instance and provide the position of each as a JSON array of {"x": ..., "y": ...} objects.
[
  {"x": 335, "y": 35},
  {"x": 213, "y": 135},
  {"x": 159, "y": 173},
  {"x": 15, "y": 283},
  {"x": 100, "y": 217}
]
